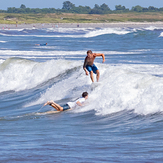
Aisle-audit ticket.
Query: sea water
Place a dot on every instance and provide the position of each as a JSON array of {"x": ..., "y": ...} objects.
[{"x": 122, "y": 120}]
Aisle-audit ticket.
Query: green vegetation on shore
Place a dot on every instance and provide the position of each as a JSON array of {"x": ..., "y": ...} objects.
[
  {"x": 69, "y": 7},
  {"x": 7, "y": 18},
  {"x": 81, "y": 14}
]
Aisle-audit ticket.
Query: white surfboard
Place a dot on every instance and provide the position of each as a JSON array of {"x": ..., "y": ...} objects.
[
  {"x": 94, "y": 85},
  {"x": 48, "y": 112},
  {"x": 51, "y": 112}
]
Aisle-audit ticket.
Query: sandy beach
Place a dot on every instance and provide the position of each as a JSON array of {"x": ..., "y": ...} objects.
[{"x": 83, "y": 25}]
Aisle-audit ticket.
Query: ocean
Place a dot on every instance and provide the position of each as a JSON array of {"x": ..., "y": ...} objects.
[{"x": 122, "y": 120}]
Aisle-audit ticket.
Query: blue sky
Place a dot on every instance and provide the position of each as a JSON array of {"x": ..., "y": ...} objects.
[{"x": 4, "y": 4}]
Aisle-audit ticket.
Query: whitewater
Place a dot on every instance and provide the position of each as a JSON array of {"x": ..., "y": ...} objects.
[{"x": 123, "y": 118}]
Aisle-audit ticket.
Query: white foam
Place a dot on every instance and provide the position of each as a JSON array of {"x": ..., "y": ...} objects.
[
  {"x": 67, "y": 30},
  {"x": 1, "y": 61},
  {"x": 123, "y": 87},
  {"x": 71, "y": 87},
  {"x": 10, "y": 29},
  {"x": 20, "y": 74},
  {"x": 152, "y": 28},
  {"x": 127, "y": 89},
  {"x": 89, "y": 32},
  {"x": 3, "y": 41},
  {"x": 49, "y": 54},
  {"x": 118, "y": 31},
  {"x": 161, "y": 34}
]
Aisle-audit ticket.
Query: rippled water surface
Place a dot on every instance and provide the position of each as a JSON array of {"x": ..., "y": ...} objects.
[{"x": 122, "y": 120}]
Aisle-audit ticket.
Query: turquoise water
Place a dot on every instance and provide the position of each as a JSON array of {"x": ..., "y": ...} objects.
[{"x": 122, "y": 121}]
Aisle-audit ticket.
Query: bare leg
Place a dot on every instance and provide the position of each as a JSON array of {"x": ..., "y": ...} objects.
[
  {"x": 91, "y": 75},
  {"x": 98, "y": 75},
  {"x": 54, "y": 105},
  {"x": 47, "y": 103}
]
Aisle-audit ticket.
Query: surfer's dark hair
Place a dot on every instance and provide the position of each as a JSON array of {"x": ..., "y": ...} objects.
[
  {"x": 85, "y": 94},
  {"x": 89, "y": 51}
]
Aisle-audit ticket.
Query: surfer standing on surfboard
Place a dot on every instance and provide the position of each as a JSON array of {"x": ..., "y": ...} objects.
[
  {"x": 69, "y": 105},
  {"x": 90, "y": 66}
]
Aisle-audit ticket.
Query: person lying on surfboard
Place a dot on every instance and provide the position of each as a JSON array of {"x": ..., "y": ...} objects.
[
  {"x": 90, "y": 66},
  {"x": 41, "y": 44},
  {"x": 69, "y": 105}
]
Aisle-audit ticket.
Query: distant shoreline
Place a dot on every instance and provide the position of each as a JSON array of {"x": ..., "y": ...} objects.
[{"x": 82, "y": 25}]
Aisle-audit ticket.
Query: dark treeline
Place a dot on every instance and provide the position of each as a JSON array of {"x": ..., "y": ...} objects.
[{"x": 69, "y": 7}]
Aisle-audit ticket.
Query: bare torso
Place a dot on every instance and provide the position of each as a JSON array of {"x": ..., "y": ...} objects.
[{"x": 89, "y": 60}]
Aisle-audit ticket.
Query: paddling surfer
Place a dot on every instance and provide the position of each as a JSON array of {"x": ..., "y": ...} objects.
[
  {"x": 41, "y": 44},
  {"x": 69, "y": 105}
]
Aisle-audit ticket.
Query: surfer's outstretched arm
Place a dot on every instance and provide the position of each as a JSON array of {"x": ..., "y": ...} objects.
[{"x": 100, "y": 54}]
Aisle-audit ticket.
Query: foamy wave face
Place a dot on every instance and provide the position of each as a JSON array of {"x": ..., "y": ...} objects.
[
  {"x": 123, "y": 89},
  {"x": 152, "y": 28},
  {"x": 127, "y": 87},
  {"x": 73, "y": 32},
  {"x": 118, "y": 31},
  {"x": 21, "y": 74},
  {"x": 71, "y": 88}
]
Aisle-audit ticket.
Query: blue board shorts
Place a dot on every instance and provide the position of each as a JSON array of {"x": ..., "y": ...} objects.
[
  {"x": 92, "y": 68},
  {"x": 65, "y": 107}
]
